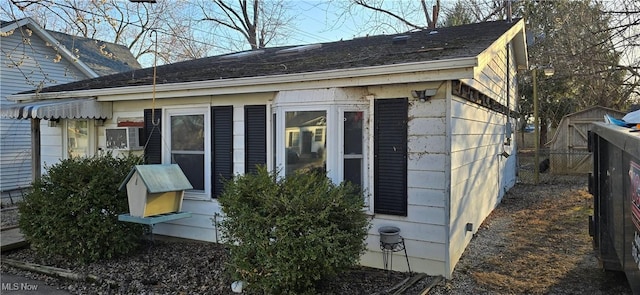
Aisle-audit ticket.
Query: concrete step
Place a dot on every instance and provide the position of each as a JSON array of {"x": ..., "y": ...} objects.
[{"x": 12, "y": 238}]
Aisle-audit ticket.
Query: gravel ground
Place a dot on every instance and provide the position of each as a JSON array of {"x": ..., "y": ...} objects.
[
  {"x": 9, "y": 217},
  {"x": 535, "y": 242}
]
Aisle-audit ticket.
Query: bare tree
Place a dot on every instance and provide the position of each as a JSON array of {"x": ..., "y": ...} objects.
[
  {"x": 401, "y": 15},
  {"x": 149, "y": 30},
  {"x": 624, "y": 17},
  {"x": 258, "y": 22},
  {"x": 593, "y": 45},
  {"x": 576, "y": 39}
]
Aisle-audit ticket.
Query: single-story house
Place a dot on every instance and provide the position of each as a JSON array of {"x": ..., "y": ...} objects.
[
  {"x": 423, "y": 121},
  {"x": 34, "y": 58}
]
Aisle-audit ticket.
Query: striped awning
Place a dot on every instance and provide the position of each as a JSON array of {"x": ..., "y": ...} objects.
[{"x": 76, "y": 108}]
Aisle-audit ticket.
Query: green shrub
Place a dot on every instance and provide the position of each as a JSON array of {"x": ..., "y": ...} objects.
[
  {"x": 73, "y": 210},
  {"x": 288, "y": 234}
]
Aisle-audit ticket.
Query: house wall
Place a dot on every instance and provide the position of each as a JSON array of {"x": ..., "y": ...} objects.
[
  {"x": 443, "y": 132},
  {"x": 200, "y": 225},
  {"x": 425, "y": 226},
  {"x": 480, "y": 176},
  {"x": 424, "y": 229},
  {"x": 51, "y": 144},
  {"x": 24, "y": 62}
]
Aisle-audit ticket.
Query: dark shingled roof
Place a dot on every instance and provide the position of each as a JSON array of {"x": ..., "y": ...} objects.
[
  {"x": 104, "y": 58},
  {"x": 426, "y": 45}
]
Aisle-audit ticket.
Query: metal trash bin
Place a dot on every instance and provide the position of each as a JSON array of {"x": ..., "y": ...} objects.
[{"x": 615, "y": 186}]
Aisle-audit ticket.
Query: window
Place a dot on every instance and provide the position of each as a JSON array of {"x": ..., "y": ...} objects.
[
  {"x": 330, "y": 137},
  {"x": 187, "y": 146},
  {"x": 78, "y": 139},
  {"x": 294, "y": 139},
  {"x": 353, "y": 152},
  {"x": 303, "y": 152},
  {"x": 318, "y": 135},
  {"x": 198, "y": 140}
]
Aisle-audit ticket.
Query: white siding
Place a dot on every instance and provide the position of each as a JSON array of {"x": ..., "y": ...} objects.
[
  {"x": 25, "y": 64},
  {"x": 492, "y": 78},
  {"x": 425, "y": 226},
  {"x": 15, "y": 157},
  {"x": 50, "y": 144},
  {"x": 479, "y": 175}
]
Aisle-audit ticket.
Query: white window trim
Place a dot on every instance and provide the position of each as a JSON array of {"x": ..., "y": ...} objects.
[
  {"x": 334, "y": 137},
  {"x": 367, "y": 135},
  {"x": 369, "y": 198},
  {"x": 365, "y": 145},
  {"x": 167, "y": 112}
]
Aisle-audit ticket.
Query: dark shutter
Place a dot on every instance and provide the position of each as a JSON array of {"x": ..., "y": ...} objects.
[
  {"x": 255, "y": 137},
  {"x": 153, "y": 136},
  {"x": 221, "y": 147},
  {"x": 390, "y": 156}
]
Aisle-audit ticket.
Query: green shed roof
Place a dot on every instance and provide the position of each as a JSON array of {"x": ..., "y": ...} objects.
[{"x": 160, "y": 178}]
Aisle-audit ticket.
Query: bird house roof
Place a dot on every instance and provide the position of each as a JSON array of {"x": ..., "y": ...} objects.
[{"x": 160, "y": 178}]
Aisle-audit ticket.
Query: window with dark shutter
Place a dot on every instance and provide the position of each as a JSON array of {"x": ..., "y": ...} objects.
[
  {"x": 390, "y": 156},
  {"x": 153, "y": 136},
  {"x": 255, "y": 137},
  {"x": 221, "y": 147}
]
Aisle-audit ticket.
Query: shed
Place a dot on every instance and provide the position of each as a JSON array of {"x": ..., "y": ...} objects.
[
  {"x": 569, "y": 146},
  {"x": 155, "y": 189}
]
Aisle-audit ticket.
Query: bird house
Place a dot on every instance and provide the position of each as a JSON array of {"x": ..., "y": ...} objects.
[{"x": 155, "y": 189}]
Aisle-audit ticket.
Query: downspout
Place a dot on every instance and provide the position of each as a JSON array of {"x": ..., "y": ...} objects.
[{"x": 509, "y": 126}]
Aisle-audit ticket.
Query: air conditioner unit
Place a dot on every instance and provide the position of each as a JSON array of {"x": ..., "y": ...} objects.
[{"x": 126, "y": 138}]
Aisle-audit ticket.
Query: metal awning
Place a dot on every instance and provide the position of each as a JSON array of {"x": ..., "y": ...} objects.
[{"x": 76, "y": 108}]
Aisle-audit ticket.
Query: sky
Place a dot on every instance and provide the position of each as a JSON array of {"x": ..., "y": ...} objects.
[
  {"x": 316, "y": 21},
  {"x": 315, "y": 25}
]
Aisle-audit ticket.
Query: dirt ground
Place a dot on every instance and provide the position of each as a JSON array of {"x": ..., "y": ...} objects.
[{"x": 536, "y": 242}]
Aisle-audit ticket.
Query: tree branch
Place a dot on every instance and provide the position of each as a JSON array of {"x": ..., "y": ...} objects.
[{"x": 389, "y": 13}]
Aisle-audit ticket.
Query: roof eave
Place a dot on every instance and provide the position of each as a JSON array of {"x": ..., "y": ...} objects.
[
  {"x": 514, "y": 36},
  {"x": 458, "y": 68},
  {"x": 519, "y": 43}
]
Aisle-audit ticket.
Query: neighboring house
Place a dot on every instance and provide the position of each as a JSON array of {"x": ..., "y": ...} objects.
[
  {"x": 569, "y": 147},
  {"x": 423, "y": 121},
  {"x": 35, "y": 58}
]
